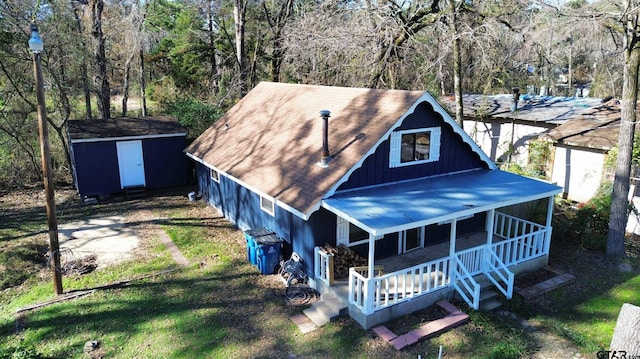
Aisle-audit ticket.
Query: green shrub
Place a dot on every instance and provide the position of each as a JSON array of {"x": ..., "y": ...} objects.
[
  {"x": 591, "y": 224},
  {"x": 194, "y": 115}
]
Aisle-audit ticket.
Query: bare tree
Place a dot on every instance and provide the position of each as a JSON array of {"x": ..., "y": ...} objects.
[
  {"x": 101, "y": 78},
  {"x": 239, "y": 15},
  {"x": 277, "y": 20}
]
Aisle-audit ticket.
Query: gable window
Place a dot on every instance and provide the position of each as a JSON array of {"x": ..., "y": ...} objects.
[
  {"x": 267, "y": 205},
  {"x": 409, "y": 147},
  {"x": 215, "y": 175}
]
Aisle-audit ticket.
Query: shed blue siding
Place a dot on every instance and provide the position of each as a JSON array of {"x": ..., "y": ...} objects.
[
  {"x": 455, "y": 155},
  {"x": 96, "y": 166},
  {"x": 165, "y": 165},
  {"x": 241, "y": 206},
  {"x": 97, "y": 171}
]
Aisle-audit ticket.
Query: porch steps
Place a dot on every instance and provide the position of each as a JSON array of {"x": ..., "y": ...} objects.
[
  {"x": 488, "y": 295},
  {"x": 135, "y": 192},
  {"x": 328, "y": 308}
]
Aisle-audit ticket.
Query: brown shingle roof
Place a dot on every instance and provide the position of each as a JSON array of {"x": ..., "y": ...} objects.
[
  {"x": 271, "y": 140},
  {"x": 124, "y": 127},
  {"x": 598, "y": 128}
]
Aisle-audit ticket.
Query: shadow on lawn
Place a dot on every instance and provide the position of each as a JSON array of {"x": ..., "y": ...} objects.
[
  {"x": 176, "y": 316},
  {"x": 596, "y": 279}
]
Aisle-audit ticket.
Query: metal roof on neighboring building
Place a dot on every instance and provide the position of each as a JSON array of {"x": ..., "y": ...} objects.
[{"x": 551, "y": 110}]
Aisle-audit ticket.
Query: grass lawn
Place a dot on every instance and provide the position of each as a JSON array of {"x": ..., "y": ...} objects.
[{"x": 221, "y": 307}]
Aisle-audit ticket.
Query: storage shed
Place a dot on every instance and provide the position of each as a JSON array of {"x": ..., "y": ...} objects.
[{"x": 114, "y": 155}]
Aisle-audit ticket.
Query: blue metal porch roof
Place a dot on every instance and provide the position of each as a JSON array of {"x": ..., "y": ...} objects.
[{"x": 399, "y": 206}]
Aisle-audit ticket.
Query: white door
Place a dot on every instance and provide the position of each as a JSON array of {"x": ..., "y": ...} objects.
[{"x": 130, "y": 163}]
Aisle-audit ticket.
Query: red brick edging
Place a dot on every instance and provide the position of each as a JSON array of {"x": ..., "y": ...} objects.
[{"x": 430, "y": 329}]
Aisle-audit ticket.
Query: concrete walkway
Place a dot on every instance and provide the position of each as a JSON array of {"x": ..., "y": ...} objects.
[{"x": 110, "y": 240}]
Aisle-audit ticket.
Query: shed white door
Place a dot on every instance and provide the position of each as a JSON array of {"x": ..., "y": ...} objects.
[{"x": 130, "y": 163}]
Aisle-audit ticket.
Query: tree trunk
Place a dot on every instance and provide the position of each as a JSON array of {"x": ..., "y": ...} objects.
[
  {"x": 215, "y": 71},
  {"x": 83, "y": 66},
  {"x": 457, "y": 64},
  {"x": 125, "y": 86},
  {"x": 100, "y": 58},
  {"x": 619, "y": 201},
  {"x": 277, "y": 23},
  {"x": 239, "y": 11},
  {"x": 143, "y": 96},
  {"x": 626, "y": 335}
]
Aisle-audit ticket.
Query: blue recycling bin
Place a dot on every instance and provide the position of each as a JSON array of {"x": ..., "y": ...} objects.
[
  {"x": 250, "y": 236},
  {"x": 268, "y": 253}
]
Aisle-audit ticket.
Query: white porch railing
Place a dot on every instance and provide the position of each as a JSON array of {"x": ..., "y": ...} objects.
[
  {"x": 464, "y": 283},
  {"x": 393, "y": 288},
  {"x": 323, "y": 265},
  {"x": 472, "y": 259},
  {"x": 498, "y": 273},
  {"x": 525, "y": 240}
]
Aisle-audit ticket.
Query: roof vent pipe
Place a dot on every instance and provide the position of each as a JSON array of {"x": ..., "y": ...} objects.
[
  {"x": 516, "y": 97},
  {"x": 324, "y": 161}
]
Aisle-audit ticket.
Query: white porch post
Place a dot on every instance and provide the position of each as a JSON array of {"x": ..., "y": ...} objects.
[
  {"x": 549, "y": 211},
  {"x": 452, "y": 250},
  {"x": 491, "y": 214},
  {"x": 372, "y": 253},
  {"x": 547, "y": 239},
  {"x": 370, "y": 288},
  {"x": 452, "y": 238}
]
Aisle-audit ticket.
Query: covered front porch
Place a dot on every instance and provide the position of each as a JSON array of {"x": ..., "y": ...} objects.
[{"x": 397, "y": 285}]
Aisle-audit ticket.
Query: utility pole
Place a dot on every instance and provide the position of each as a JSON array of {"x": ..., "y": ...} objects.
[{"x": 36, "y": 45}]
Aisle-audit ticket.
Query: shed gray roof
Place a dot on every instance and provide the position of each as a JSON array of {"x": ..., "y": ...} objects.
[{"x": 124, "y": 128}]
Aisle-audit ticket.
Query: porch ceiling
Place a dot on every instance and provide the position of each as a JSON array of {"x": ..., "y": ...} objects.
[{"x": 399, "y": 206}]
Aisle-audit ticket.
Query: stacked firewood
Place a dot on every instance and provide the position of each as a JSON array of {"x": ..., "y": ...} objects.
[{"x": 343, "y": 259}]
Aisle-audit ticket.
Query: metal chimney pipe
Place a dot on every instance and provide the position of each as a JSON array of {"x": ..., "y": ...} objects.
[
  {"x": 516, "y": 97},
  {"x": 325, "y": 114}
]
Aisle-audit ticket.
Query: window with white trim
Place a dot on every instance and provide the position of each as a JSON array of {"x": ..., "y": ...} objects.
[
  {"x": 215, "y": 175},
  {"x": 349, "y": 234},
  {"x": 268, "y": 205},
  {"x": 411, "y": 147}
]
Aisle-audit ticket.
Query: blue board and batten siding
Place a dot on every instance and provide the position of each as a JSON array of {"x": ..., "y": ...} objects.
[
  {"x": 455, "y": 154},
  {"x": 241, "y": 206},
  {"x": 97, "y": 172},
  {"x": 96, "y": 168}
]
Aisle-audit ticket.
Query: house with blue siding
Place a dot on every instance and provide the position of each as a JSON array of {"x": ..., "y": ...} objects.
[{"x": 387, "y": 173}]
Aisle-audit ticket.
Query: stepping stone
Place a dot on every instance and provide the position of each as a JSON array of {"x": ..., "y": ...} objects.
[
  {"x": 305, "y": 324},
  {"x": 384, "y": 333},
  {"x": 546, "y": 285}
]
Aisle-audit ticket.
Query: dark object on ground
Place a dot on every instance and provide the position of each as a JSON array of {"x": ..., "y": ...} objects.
[{"x": 300, "y": 294}]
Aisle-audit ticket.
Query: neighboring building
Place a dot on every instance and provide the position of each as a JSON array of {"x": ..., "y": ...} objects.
[
  {"x": 503, "y": 134},
  {"x": 580, "y": 150},
  {"x": 390, "y": 175},
  {"x": 115, "y": 155}
]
